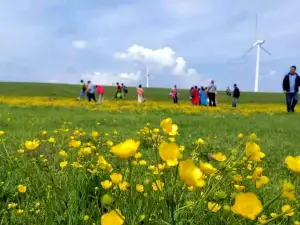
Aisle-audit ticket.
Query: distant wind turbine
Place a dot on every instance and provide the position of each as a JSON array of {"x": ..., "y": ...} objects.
[
  {"x": 258, "y": 44},
  {"x": 147, "y": 77}
]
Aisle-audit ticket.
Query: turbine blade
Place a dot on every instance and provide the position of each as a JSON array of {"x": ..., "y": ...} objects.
[
  {"x": 248, "y": 51},
  {"x": 256, "y": 26},
  {"x": 265, "y": 50}
]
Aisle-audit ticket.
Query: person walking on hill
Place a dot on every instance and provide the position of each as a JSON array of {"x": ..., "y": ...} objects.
[
  {"x": 212, "y": 89},
  {"x": 235, "y": 95},
  {"x": 100, "y": 92},
  {"x": 174, "y": 93},
  {"x": 118, "y": 90},
  {"x": 203, "y": 97},
  {"x": 140, "y": 94},
  {"x": 290, "y": 86},
  {"x": 82, "y": 90},
  {"x": 195, "y": 96},
  {"x": 91, "y": 91}
]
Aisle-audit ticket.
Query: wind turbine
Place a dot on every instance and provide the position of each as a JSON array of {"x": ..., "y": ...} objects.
[
  {"x": 258, "y": 44},
  {"x": 147, "y": 77}
]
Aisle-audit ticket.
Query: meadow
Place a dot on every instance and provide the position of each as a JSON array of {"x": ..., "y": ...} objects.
[{"x": 65, "y": 161}]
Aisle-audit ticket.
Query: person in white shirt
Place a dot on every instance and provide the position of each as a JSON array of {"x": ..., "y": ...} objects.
[{"x": 212, "y": 89}]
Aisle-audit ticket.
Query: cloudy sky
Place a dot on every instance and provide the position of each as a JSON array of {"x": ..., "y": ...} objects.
[{"x": 183, "y": 42}]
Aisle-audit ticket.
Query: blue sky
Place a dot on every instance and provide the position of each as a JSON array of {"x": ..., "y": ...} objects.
[{"x": 183, "y": 42}]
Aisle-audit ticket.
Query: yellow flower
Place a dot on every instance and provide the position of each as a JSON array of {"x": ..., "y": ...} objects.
[
  {"x": 139, "y": 188},
  {"x": 116, "y": 178},
  {"x": 125, "y": 149},
  {"x": 220, "y": 157},
  {"x": 2, "y": 133},
  {"x": 32, "y": 145},
  {"x": 262, "y": 219},
  {"x": 200, "y": 141},
  {"x": 22, "y": 188},
  {"x": 238, "y": 178},
  {"x": 240, "y": 136},
  {"x": 239, "y": 187},
  {"x": 76, "y": 165},
  {"x": 158, "y": 185},
  {"x": 181, "y": 148},
  {"x": 12, "y": 205},
  {"x": 123, "y": 186},
  {"x": 260, "y": 180},
  {"x": 143, "y": 163},
  {"x": 274, "y": 215},
  {"x": 288, "y": 210},
  {"x": 169, "y": 153},
  {"x": 247, "y": 205},
  {"x": 253, "y": 152},
  {"x": 293, "y": 163},
  {"x": 207, "y": 168},
  {"x": 106, "y": 184},
  {"x": 213, "y": 207},
  {"x": 37, "y": 204},
  {"x": 168, "y": 127},
  {"x": 20, "y": 211},
  {"x": 288, "y": 190},
  {"x": 95, "y": 134},
  {"x": 113, "y": 217},
  {"x": 296, "y": 223},
  {"x": 190, "y": 174},
  {"x": 63, "y": 164},
  {"x": 138, "y": 155},
  {"x": 44, "y": 132},
  {"x": 51, "y": 140},
  {"x": 74, "y": 143},
  {"x": 63, "y": 154}
]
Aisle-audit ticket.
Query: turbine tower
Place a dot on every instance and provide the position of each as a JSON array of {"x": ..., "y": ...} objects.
[
  {"x": 258, "y": 44},
  {"x": 147, "y": 77}
]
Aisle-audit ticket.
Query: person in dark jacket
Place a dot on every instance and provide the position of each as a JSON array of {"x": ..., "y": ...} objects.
[
  {"x": 290, "y": 86},
  {"x": 235, "y": 95}
]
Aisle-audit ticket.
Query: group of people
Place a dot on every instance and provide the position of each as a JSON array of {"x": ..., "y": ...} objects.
[
  {"x": 198, "y": 96},
  {"x": 89, "y": 91}
]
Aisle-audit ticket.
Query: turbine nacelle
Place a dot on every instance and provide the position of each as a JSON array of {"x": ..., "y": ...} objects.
[{"x": 258, "y": 42}]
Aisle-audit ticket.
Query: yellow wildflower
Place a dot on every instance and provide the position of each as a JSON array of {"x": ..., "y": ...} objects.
[
  {"x": 22, "y": 188},
  {"x": 158, "y": 185},
  {"x": 125, "y": 149},
  {"x": 32, "y": 145},
  {"x": 207, "y": 168},
  {"x": 169, "y": 153},
  {"x": 123, "y": 186},
  {"x": 168, "y": 127},
  {"x": 63, "y": 164},
  {"x": 74, "y": 143},
  {"x": 63, "y": 154},
  {"x": 253, "y": 152},
  {"x": 51, "y": 140},
  {"x": 288, "y": 210},
  {"x": 106, "y": 184},
  {"x": 213, "y": 207},
  {"x": 288, "y": 190},
  {"x": 113, "y": 217},
  {"x": 190, "y": 174},
  {"x": 293, "y": 163},
  {"x": 247, "y": 205},
  {"x": 139, "y": 188},
  {"x": 220, "y": 157},
  {"x": 20, "y": 211},
  {"x": 116, "y": 178}
]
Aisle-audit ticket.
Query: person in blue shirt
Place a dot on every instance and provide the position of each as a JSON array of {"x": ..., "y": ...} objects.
[
  {"x": 290, "y": 86},
  {"x": 91, "y": 91}
]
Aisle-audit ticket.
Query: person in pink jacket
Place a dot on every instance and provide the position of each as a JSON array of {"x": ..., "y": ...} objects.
[{"x": 100, "y": 92}]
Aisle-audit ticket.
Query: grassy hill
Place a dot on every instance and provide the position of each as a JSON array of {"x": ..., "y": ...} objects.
[{"x": 155, "y": 94}]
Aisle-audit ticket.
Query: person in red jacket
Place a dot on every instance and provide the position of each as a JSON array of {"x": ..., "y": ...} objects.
[{"x": 195, "y": 96}]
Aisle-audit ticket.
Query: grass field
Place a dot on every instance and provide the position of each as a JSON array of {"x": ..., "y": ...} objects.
[{"x": 42, "y": 125}]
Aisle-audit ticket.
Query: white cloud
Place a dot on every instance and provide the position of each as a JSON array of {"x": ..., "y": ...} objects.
[
  {"x": 80, "y": 44},
  {"x": 164, "y": 58},
  {"x": 105, "y": 78}
]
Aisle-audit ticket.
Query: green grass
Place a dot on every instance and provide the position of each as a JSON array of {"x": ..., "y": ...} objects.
[
  {"x": 69, "y": 194},
  {"x": 155, "y": 94}
]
